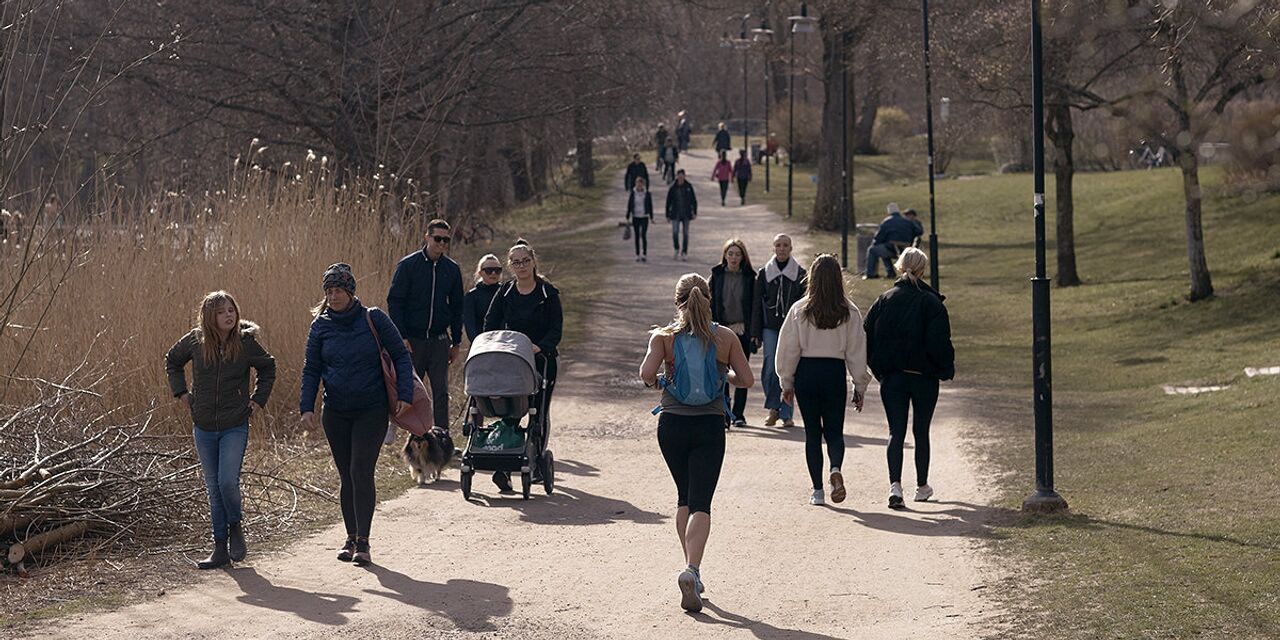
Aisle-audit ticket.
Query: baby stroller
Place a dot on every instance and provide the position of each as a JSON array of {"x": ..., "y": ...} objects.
[{"x": 502, "y": 382}]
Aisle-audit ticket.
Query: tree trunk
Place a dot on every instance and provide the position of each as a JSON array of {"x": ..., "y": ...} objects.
[
  {"x": 1201, "y": 283},
  {"x": 582, "y": 131},
  {"x": 1061, "y": 132},
  {"x": 836, "y": 118},
  {"x": 863, "y": 142}
]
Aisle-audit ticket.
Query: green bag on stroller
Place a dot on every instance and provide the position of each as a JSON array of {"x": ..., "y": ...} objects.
[{"x": 502, "y": 434}]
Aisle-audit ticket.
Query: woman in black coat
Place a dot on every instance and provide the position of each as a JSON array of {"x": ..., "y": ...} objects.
[
  {"x": 476, "y": 303},
  {"x": 909, "y": 350},
  {"x": 732, "y": 288}
]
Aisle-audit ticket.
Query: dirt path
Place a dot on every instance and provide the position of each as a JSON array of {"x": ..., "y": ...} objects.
[{"x": 599, "y": 558}]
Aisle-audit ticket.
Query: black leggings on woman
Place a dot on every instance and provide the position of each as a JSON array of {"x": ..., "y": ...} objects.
[
  {"x": 899, "y": 392},
  {"x": 724, "y": 190},
  {"x": 742, "y": 190},
  {"x": 820, "y": 392},
  {"x": 739, "y": 393},
  {"x": 355, "y": 437},
  {"x": 641, "y": 228},
  {"x": 693, "y": 447}
]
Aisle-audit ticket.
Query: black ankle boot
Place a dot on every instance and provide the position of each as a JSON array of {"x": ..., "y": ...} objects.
[
  {"x": 219, "y": 557},
  {"x": 235, "y": 542}
]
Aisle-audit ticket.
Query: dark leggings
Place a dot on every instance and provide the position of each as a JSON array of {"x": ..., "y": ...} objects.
[
  {"x": 693, "y": 447},
  {"x": 739, "y": 393},
  {"x": 742, "y": 190},
  {"x": 552, "y": 369},
  {"x": 724, "y": 190},
  {"x": 898, "y": 392},
  {"x": 641, "y": 228},
  {"x": 355, "y": 437},
  {"x": 820, "y": 392}
]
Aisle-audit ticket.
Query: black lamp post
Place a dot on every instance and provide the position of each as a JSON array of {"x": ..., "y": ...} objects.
[
  {"x": 1045, "y": 499},
  {"x": 928, "y": 111},
  {"x": 799, "y": 24},
  {"x": 844, "y": 159},
  {"x": 762, "y": 35}
]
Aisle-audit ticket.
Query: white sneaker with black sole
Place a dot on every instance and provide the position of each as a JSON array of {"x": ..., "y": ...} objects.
[
  {"x": 923, "y": 493},
  {"x": 895, "y": 496}
]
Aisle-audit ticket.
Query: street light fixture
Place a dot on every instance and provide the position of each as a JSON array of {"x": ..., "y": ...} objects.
[
  {"x": 799, "y": 24},
  {"x": 762, "y": 35}
]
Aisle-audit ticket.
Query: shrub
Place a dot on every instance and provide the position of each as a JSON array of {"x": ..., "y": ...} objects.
[
  {"x": 893, "y": 126},
  {"x": 808, "y": 130},
  {"x": 1253, "y": 133}
]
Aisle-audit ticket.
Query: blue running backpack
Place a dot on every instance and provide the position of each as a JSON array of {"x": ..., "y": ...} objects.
[{"x": 697, "y": 378}]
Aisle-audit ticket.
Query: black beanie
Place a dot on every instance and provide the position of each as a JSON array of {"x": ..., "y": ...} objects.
[{"x": 339, "y": 275}]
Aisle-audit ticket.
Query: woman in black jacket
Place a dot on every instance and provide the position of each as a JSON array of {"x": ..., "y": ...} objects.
[
  {"x": 476, "y": 303},
  {"x": 909, "y": 351},
  {"x": 639, "y": 213},
  {"x": 221, "y": 349},
  {"x": 531, "y": 305},
  {"x": 732, "y": 286}
]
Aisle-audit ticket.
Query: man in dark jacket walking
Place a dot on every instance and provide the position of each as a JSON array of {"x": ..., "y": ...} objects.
[
  {"x": 778, "y": 286},
  {"x": 425, "y": 303},
  {"x": 682, "y": 208},
  {"x": 661, "y": 139},
  {"x": 722, "y": 141},
  {"x": 637, "y": 169}
]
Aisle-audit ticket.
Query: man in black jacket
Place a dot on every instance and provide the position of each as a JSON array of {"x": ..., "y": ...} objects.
[
  {"x": 682, "y": 208},
  {"x": 425, "y": 303},
  {"x": 637, "y": 169},
  {"x": 778, "y": 286},
  {"x": 722, "y": 141}
]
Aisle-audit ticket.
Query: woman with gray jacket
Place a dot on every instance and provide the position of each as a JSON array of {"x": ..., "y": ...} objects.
[{"x": 221, "y": 349}]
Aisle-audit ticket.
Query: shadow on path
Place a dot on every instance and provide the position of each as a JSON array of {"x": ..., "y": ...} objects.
[
  {"x": 796, "y": 434},
  {"x": 568, "y": 506},
  {"x": 759, "y": 629},
  {"x": 324, "y": 608},
  {"x": 469, "y": 604},
  {"x": 963, "y": 519}
]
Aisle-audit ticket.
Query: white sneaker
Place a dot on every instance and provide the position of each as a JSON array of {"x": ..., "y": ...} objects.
[
  {"x": 895, "y": 496},
  {"x": 637, "y": 258},
  {"x": 817, "y": 498},
  {"x": 923, "y": 493},
  {"x": 690, "y": 599},
  {"x": 684, "y": 257},
  {"x": 676, "y": 255}
]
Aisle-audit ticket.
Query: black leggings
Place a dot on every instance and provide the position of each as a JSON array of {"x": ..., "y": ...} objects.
[
  {"x": 355, "y": 437},
  {"x": 898, "y": 392},
  {"x": 724, "y": 190},
  {"x": 742, "y": 190},
  {"x": 739, "y": 393},
  {"x": 641, "y": 228},
  {"x": 820, "y": 392},
  {"x": 693, "y": 447},
  {"x": 552, "y": 369}
]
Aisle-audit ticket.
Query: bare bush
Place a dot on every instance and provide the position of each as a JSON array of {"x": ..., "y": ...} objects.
[{"x": 1253, "y": 133}]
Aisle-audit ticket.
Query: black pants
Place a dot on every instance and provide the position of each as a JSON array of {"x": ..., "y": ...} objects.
[
  {"x": 355, "y": 437},
  {"x": 739, "y": 393},
  {"x": 641, "y": 228},
  {"x": 742, "y": 190},
  {"x": 900, "y": 391},
  {"x": 724, "y": 190},
  {"x": 543, "y": 400},
  {"x": 693, "y": 447},
  {"x": 820, "y": 391},
  {"x": 431, "y": 356}
]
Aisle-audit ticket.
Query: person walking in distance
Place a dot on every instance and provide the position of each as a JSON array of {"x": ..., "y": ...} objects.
[
  {"x": 639, "y": 212},
  {"x": 475, "y": 304},
  {"x": 222, "y": 348},
  {"x": 425, "y": 303},
  {"x": 732, "y": 284},
  {"x": 909, "y": 350},
  {"x": 778, "y": 286},
  {"x": 670, "y": 156},
  {"x": 342, "y": 352},
  {"x": 742, "y": 173},
  {"x": 682, "y": 208},
  {"x": 661, "y": 139},
  {"x": 821, "y": 339},
  {"x": 723, "y": 173},
  {"x": 637, "y": 169},
  {"x": 722, "y": 141},
  {"x": 684, "y": 131},
  {"x": 691, "y": 422}
]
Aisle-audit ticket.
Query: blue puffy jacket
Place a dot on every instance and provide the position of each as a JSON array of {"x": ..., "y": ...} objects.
[{"x": 343, "y": 353}]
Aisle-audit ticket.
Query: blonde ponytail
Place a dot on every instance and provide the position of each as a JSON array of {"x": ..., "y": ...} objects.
[{"x": 693, "y": 308}]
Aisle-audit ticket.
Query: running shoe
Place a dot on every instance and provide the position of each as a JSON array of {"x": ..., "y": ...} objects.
[
  {"x": 348, "y": 549},
  {"x": 772, "y": 419},
  {"x": 895, "y": 496},
  {"x": 837, "y": 486},
  {"x": 817, "y": 498},
  {"x": 361, "y": 557},
  {"x": 923, "y": 493},
  {"x": 788, "y": 423},
  {"x": 690, "y": 599}
]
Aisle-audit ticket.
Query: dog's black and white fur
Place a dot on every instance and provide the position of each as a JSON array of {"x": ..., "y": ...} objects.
[{"x": 427, "y": 455}]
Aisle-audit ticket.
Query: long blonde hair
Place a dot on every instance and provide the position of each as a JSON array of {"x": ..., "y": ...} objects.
[
  {"x": 912, "y": 264},
  {"x": 693, "y": 308},
  {"x": 212, "y": 344}
]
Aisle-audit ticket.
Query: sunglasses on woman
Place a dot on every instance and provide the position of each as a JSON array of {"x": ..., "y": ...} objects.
[{"x": 491, "y": 271}]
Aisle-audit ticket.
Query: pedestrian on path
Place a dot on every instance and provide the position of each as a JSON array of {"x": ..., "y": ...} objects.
[
  {"x": 425, "y": 303},
  {"x": 778, "y": 286},
  {"x": 732, "y": 284},
  {"x": 342, "y": 351},
  {"x": 723, "y": 173},
  {"x": 909, "y": 350},
  {"x": 682, "y": 208},
  {"x": 691, "y": 436},
  {"x": 661, "y": 139},
  {"x": 639, "y": 212},
  {"x": 221, "y": 349},
  {"x": 821, "y": 339},
  {"x": 670, "y": 156},
  {"x": 684, "y": 131},
  {"x": 530, "y": 304},
  {"x": 722, "y": 141},
  {"x": 636, "y": 169},
  {"x": 742, "y": 173},
  {"x": 476, "y": 303}
]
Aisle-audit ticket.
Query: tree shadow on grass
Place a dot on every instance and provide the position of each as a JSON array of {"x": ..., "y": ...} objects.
[
  {"x": 470, "y": 605},
  {"x": 323, "y": 608},
  {"x": 1082, "y": 521},
  {"x": 796, "y": 434},
  {"x": 760, "y": 629},
  {"x": 567, "y": 506}
]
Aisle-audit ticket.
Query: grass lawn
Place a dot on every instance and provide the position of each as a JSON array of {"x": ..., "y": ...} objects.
[{"x": 1173, "y": 530}]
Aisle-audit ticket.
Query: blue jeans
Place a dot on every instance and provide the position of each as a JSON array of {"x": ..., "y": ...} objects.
[
  {"x": 769, "y": 377},
  {"x": 875, "y": 254},
  {"x": 675, "y": 235},
  {"x": 221, "y": 455}
]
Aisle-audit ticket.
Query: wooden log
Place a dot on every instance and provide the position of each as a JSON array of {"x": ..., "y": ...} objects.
[
  {"x": 37, "y": 543},
  {"x": 11, "y": 521}
]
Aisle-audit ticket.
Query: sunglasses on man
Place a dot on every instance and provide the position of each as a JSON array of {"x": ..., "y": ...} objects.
[{"x": 441, "y": 239}]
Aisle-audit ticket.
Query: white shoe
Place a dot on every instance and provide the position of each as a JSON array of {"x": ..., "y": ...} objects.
[
  {"x": 895, "y": 496},
  {"x": 637, "y": 258},
  {"x": 690, "y": 599},
  {"x": 676, "y": 255},
  {"x": 923, "y": 493},
  {"x": 817, "y": 498},
  {"x": 684, "y": 257}
]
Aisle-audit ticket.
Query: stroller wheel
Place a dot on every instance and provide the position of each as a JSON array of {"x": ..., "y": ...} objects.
[
  {"x": 548, "y": 471},
  {"x": 526, "y": 482},
  {"x": 466, "y": 484}
]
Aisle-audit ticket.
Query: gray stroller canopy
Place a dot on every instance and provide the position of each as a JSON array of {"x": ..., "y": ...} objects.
[{"x": 500, "y": 363}]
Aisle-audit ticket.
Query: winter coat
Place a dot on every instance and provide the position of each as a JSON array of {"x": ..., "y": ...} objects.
[
  {"x": 800, "y": 338},
  {"x": 474, "y": 305},
  {"x": 908, "y": 330},
  {"x": 742, "y": 170},
  {"x": 425, "y": 299},
  {"x": 342, "y": 352},
  {"x": 661, "y": 137},
  {"x": 635, "y": 170},
  {"x": 722, "y": 140},
  {"x": 220, "y": 390},
  {"x": 537, "y": 315},
  {"x": 723, "y": 171},
  {"x": 682, "y": 202},
  {"x": 718, "y": 275},
  {"x": 647, "y": 207},
  {"x": 774, "y": 296},
  {"x": 896, "y": 228}
]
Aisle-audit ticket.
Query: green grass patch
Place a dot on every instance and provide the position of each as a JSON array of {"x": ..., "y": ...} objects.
[{"x": 1173, "y": 531}]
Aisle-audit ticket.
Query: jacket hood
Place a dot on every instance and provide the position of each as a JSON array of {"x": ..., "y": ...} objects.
[{"x": 905, "y": 282}]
